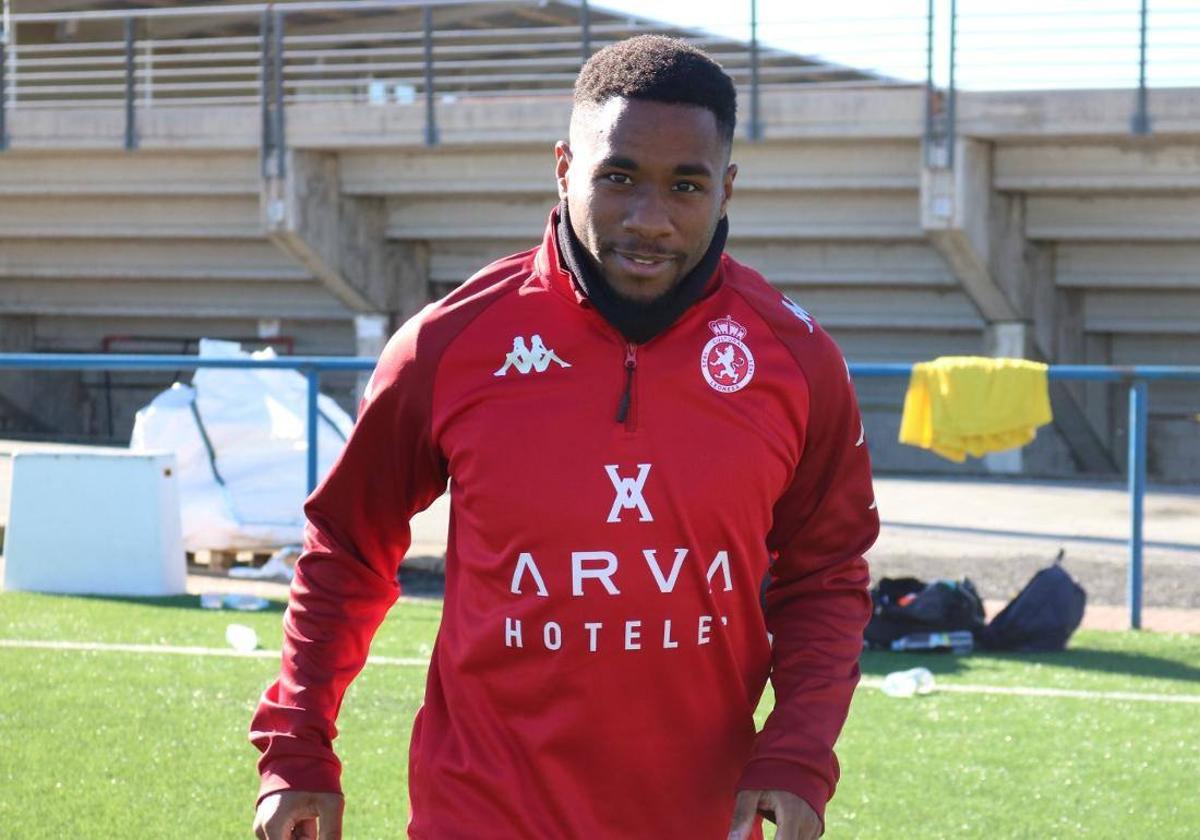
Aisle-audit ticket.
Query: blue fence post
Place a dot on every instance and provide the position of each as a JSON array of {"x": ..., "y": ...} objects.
[
  {"x": 314, "y": 388},
  {"x": 1138, "y": 418}
]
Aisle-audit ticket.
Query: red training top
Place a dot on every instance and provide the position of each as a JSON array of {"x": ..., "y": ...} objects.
[{"x": 603, "y": 645}]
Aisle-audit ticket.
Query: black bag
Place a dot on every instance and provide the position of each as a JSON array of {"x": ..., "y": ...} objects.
[
  {"x": 902, "y": 606},
  {"x": 1042, "y": 616}
]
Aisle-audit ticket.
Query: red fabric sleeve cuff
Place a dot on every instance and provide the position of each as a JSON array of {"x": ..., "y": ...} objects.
[
  {"x": 777, "y": 774},
  {"x": 306, "y": 774}
]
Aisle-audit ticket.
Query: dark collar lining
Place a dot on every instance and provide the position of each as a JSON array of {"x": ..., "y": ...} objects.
[{"x": 638, "y": 322}]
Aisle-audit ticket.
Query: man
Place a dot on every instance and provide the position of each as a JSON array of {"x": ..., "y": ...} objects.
[{"x": 636, "y": 430}]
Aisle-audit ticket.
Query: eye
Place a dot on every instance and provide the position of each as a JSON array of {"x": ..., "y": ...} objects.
[
  {"x": 688, "y": 187},
  {"x": 618, "y": 178}
]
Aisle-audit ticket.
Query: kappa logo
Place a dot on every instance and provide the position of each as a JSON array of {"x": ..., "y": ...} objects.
[
  {"x": 800, "y": 312},
  {"x": 629, "y": 493},
  {"x": 726, "y": 362},
  {"x": 533, "y": 358}
]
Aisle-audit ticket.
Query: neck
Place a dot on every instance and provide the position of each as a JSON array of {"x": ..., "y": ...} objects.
[{"x": 638, "y": 321}]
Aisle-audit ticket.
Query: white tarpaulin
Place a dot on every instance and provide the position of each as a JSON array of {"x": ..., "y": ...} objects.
[{"x": 240, "y": 443}]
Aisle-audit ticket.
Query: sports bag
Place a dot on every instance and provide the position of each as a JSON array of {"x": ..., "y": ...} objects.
[
  {"x": 1043, "y": 615},
  {"x": 904, "y": 606}
]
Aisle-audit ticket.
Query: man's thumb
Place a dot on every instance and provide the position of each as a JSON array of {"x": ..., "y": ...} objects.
[
  {"x": 744, "y": 809},
  {"x": 329, "y": 819}
]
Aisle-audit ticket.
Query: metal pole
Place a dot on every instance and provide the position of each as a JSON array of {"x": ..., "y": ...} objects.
[
  {"x": 1138, "y": 418},
  {"x": 280, "y": 140},
  {"x": 952, "y": 93},
  {"x": 755, "y": 128},
  {"x": 148, "y": 81},
  {"x": 14, "y": 56},
  {"x": 585, "y": 29},
  {"x": 929, "y": 83},
  {"x": 3, "y": 90},
  {"x": 130, "y": 128},
  {"x": 1141, "y": 117},
  {"x": 314, "y": 388},
  {"x": 264, "y": 93},
  {"x": 431, "y": 132}
]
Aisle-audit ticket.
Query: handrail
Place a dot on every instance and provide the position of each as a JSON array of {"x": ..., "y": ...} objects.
[
  {"x": 1137, "y": 377},
  {"x": 1085, "y": 373},
  {"x": 242, "y": 9},
  {"x": 421, "y": 63},
  {"x": 971, "y": 48}
]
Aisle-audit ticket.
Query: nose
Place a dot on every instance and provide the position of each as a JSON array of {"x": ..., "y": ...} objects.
[{"x": 647, "y": 216}]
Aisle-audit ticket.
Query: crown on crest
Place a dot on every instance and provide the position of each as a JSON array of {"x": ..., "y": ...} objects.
[{"x": 727, "y": 326}]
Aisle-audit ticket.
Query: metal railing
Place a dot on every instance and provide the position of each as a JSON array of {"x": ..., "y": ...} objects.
[
  {"x": 310, "y": 366},
  {"x": 420, "y": 54},
  {"x": 1119, "y": 44},
  {"x": 276, "y": 56},
  {"x": 1136, "y": 377}
]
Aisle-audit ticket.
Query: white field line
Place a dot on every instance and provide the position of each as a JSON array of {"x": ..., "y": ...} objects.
[
  {"x": 186, "y": 651},
  {"x": 950, "y": 688},
  {"x": 1032, "y": 691}
]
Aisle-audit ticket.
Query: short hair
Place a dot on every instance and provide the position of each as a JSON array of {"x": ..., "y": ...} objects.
[{"x": 659, "y": 69}]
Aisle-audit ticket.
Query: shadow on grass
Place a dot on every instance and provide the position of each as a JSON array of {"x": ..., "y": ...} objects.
[
  {"x": 880, "y": 663},
  {"x": 183, "y": 602},
  {"x": 1111, "y": 662}
]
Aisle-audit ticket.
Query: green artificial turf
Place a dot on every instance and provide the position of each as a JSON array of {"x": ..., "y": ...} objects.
[{"x": 98, "y": 744}]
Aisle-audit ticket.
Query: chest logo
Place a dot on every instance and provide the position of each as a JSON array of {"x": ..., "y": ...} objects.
[
  {"x": 629, "y": 493},
  {"x": 726, "y": 362},
  {"x": 536, "y": 357}
]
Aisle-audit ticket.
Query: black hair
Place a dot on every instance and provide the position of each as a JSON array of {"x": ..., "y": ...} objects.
[{"x": 659, "y": 69}]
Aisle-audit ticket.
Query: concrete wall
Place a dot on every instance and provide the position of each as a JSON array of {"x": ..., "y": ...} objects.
[{"x": 178, "y": 239}]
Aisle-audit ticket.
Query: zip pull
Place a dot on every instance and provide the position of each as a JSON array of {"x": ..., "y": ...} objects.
[{"x": 630, "y": 365}]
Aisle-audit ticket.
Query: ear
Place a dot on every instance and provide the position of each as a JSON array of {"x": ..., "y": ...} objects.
[
  {"x": 562, "y": 167},
  {"x": 727, "y": 186}
]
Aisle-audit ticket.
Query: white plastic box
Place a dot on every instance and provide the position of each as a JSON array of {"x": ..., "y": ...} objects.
[{"x": 96, "y": 522}]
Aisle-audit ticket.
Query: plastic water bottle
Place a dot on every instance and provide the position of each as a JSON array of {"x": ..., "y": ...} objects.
[
  {"x": 241, "y": 638},
  {"x": 907, "y": 683},
  {"x": 245, "y": 603},
  {"x": 957, "y": 641}
]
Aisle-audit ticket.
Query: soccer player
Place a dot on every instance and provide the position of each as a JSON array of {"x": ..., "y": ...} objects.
[{"x": 660, "y": 498}]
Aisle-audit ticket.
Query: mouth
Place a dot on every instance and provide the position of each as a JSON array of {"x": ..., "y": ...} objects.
[{"x": 644, "y": 264}]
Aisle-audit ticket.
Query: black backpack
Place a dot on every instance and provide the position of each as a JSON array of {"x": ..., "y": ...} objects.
[
  {"x": 1042, "y": 616},
  {"x": 901, "y": 606}
]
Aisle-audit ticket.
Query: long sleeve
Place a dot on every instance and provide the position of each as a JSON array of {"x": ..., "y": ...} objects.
[
  {"x": 356, "y": 534},
  {"x": 817, "y": 600}
]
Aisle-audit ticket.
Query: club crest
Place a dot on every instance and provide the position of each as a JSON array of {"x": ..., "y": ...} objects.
[{"x": 726, "y": 362}]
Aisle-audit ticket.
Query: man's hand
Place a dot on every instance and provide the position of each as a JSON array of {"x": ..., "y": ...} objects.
[
  {"x": 794, "y": 818},
  {"x": 300, "y": 815}
]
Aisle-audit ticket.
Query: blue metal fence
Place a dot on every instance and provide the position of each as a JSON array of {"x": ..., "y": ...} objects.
[
  {"x": 1136, "y": 377},
  {"x": 310, "y": 366}
]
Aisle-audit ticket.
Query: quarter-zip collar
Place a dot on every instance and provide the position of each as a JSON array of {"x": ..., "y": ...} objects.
[{"x": 563, "y": 262}]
